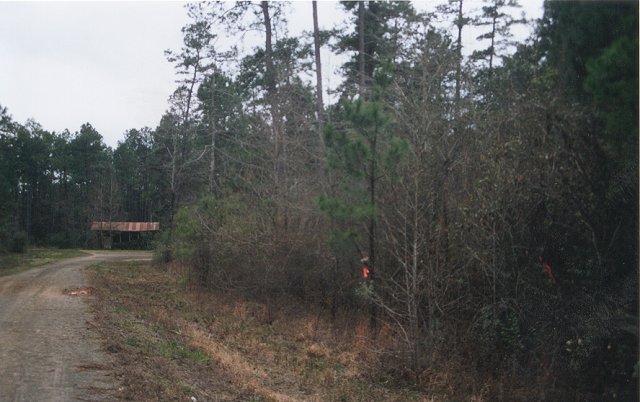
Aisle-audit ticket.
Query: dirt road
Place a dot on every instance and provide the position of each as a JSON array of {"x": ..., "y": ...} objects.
[{"x": 47, "y": 352}]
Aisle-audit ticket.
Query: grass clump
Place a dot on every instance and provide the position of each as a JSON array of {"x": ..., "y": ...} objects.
[{"x": 177, "y": 350}]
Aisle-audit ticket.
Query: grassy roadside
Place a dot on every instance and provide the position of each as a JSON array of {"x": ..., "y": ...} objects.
[
  {"x": 154, "y": 361},
  {"x": 35, "y": 257},
  {"x": 171, "y": 343}
]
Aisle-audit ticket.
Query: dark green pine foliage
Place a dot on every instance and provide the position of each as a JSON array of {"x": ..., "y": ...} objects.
[
  {"x": 612, "y": 81},
  {"x": 362, "y": 153},
  {"x": 590, "y": 51},
  {"x": 384, "y": 29},
  {"x": 51, "y": 183},
  {"x": 33, "y": 168},
  {"x": 221, "y": 102},
  {"x": 593, "y": 48},
  {"x": 8, "y": 184},
  {"x": 88, "y": 168},
  {"x": 133, "y": 163},
  {"x": 573, "y": 32},
  {"x": 497, "y": 18}
]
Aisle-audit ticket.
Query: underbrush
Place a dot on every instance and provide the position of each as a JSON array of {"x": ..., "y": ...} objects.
[
  {"x": 171, "y": 340},
  {"x": 174, "y": 340}
]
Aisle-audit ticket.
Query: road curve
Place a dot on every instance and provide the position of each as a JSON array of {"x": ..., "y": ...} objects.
[{"x": 47, "y": 352}]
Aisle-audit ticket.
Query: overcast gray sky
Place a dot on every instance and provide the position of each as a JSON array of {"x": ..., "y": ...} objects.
[{"x": 67, "y": 63}]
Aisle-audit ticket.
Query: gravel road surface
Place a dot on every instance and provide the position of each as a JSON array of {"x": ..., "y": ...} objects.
[{"x": 47, "y": 351}]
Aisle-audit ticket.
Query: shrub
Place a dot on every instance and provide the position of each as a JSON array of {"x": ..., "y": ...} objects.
[{"x": 59, "y": 240}]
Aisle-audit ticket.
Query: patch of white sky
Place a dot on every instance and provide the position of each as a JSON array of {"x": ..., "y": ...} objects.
[{"x": 66, "y": 63}]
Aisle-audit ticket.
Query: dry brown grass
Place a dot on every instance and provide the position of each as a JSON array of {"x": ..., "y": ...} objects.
[
  {"x": 153, "y": 363},
  {"x": 224, "y": 350},
  {"x": 244, "y": 374}
]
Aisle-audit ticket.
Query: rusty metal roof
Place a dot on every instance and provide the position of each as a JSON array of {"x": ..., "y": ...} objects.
[{"x": 126, "y": 226}]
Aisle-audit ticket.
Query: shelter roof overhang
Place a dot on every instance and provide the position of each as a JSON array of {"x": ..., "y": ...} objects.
[{"x": 126, "y": 226}]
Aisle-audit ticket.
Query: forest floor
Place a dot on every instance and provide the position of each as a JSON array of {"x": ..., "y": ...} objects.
[{"x": 173, "y": 342}]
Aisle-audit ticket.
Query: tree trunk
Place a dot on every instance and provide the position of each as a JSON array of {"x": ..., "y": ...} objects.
[
  {"x": 361, "y": 48},
  {"x": 192, "y": 84},
  {"x": 272, "y": 98},
  {"x": 493, "y": 38},
  {"x": 319, "y": 102},
  {"x": 373, "y": 323},
  {"x": 460, "y": 24},
  {"x": 212, "y": 164}
]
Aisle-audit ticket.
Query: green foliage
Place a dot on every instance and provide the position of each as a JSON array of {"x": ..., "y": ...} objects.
[
  {"x": 349, "y": 155},
  {"x": 340, "y": 210},
  {"x": 572, "y": 33},
  {"x": 383, "y": 20},
  {"x": 612, "y": 81},
  {"x": 162, "y": 248},
  {"x": 177, "y": 350},
  {"x": 134, "y": 165},
  {"x": 89, "y": 157},
  {"x": 364, "y": 140},
  {"x": 342, "y": 241},
  {"x": 188, "y": 234},
  {"x": 496, "y": 16},
  {"x": 397, "y": 150},
  {"x": 364, "y": 292},
  {"x": 60, "y": 240},
  {"x": 363, "y": 151},
  {"x": 211, "y": 235},
  {"x": 459, "y": 194},
  {"x": 19, "y": 243}
]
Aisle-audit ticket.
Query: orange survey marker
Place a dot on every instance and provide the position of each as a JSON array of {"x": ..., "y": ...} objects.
[
  {"x": 365, "y": 272},
  {"x": 547, "y": 268},
  {"x": 366, "y": 269}
]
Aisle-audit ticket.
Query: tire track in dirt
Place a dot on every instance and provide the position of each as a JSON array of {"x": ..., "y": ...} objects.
[{"x": 249, "y": 376}]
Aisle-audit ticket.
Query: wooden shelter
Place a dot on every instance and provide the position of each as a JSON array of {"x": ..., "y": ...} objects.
[
  {"x": 108, "y": 231},
  {"x": 126, "y": 226}
]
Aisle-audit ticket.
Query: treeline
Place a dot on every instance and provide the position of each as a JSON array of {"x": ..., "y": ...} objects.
[
  {"x": 54, "y": 184},
  {"x": 491, "y": 198}
]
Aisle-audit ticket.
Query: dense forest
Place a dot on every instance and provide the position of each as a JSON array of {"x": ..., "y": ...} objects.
[{"x": 482, "y": 207}]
